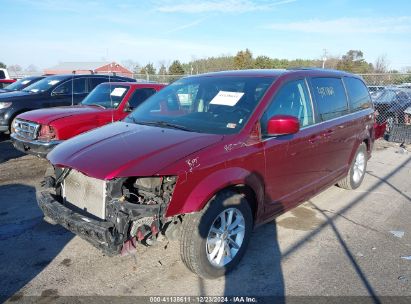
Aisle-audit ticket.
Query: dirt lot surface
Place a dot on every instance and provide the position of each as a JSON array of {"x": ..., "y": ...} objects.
[{"x": 341, "y": 242}]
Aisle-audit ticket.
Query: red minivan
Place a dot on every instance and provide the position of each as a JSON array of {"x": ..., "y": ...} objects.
[{"x": 210, "y": 157}]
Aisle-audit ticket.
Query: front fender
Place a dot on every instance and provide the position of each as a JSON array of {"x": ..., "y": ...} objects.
[
  {"x": 68, "y": 128},
  {"x": 188, "y": 198}
]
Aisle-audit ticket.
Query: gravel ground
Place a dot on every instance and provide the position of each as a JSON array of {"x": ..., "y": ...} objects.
[{"x": 337, "y": 244}]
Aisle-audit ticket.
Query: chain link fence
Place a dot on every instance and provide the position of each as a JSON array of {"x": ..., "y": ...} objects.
[
  {"x": 165, "y": 78},
  {"x": 391, "y": 95}
]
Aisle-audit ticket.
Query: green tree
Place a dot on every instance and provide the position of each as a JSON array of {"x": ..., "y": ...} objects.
[
  {"x": 148, "y": 69},
  {"x": 2, "y": 65},
  {"x": 263, "y": 62},
  {"x": 176, "y": 68},
  {"x": 243, "y": 60},
  {"x": 210, "y": 64},
  {"x": 353, "y": 61},
  {"x": 162, "y": 70}
]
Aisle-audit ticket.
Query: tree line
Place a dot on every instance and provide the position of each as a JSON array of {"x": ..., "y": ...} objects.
[{"x": 353, "y": 61}]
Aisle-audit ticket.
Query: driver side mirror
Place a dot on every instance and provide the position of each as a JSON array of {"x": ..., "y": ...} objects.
[
  {"x": 282, "y": 125},
  {"x": 128, "y": 108}
]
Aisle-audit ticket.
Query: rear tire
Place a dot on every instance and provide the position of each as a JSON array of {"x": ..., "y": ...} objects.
[
  {"x": 356, "y": 173},
  {"x": 214, "y": 240}
]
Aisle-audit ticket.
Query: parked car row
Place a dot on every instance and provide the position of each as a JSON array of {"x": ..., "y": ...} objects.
[
  {"x": 38, "y": 132},
  {"x": 52, "y": 91},
  {"x": 203, "y": 160}
]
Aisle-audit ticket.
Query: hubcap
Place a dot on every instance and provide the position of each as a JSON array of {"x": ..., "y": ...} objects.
[
  {"x": 225, "y": 237},
  {"x": 359, "y": 167}
]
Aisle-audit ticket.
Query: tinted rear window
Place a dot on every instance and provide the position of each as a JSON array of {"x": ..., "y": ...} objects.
[
  {"x": 358, "y": 93},
  {"x": 139, "y": 96},
  {"x": 330, "y": 97},
  {"x": 2, "y": 75},
  {"x": 95, "y": 81}
]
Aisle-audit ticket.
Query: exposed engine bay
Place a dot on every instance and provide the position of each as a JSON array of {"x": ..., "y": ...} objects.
[{"x": 134, "y": 212}]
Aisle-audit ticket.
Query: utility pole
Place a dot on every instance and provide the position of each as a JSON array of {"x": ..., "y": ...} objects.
[{"x": 324, "y": 57}]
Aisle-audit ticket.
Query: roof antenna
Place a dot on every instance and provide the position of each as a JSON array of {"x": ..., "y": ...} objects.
[
  {"x": 72, "y": 88},
  {"x": 111, "y": 99}
]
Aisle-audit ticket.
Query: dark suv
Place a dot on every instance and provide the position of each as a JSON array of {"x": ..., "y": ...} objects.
[
  {"x": 208, "y": 158},
  {"x": 21, "y": 84},
  {"x": 52, "y": 91}
]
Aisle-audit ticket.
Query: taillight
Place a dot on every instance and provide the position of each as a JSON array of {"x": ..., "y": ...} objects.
[{"x": 46, "y": 133}]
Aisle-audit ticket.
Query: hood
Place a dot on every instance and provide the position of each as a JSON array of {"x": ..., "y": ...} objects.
[
  {"x": 46, "y": 116},
  {"x": 123, "y": 149},
  {"x": 10, "y": 96}
]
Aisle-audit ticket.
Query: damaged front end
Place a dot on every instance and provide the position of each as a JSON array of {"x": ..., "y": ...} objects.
[{"x": 112, "y": 215}]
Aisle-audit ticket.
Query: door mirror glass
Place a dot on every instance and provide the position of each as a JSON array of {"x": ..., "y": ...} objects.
[
  {"x": 128, "y": 108},
  {"x": 282, "y": 125}
]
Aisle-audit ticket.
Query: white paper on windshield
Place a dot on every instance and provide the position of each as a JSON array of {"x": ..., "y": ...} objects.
[
  {"x": 118, "y": 92},
  {"x": 25, "y": 81},
  {"x": 53, "y": 82},
  {"x": 34, "y": 90},
  {"x": 227, "y": 98}
]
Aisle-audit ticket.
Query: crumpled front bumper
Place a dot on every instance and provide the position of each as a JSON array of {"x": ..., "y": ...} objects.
[
  {"x": 107, "y": 235},
  {"x": 98, "y": 232},
  {"x": 33, "y": 147}
]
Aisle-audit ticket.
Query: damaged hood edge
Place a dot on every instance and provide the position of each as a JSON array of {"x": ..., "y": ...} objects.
[{"x": 123, "y": 150}]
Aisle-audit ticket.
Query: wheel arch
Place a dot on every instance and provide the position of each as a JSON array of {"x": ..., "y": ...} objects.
[{"x": 239, "y": 180}]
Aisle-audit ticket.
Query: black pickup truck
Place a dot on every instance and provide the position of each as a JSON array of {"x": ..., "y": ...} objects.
[{"x": 52, "y": 91}]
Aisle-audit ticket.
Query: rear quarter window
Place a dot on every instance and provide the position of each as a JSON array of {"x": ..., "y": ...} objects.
[
  {"x": 358, "y": 94},
  {"x": 330, "y": 97}
]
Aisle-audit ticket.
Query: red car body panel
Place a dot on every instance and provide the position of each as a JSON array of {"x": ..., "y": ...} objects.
[
  {"x": 7, "y": 81},
  {"x": 73, "y": 120},
  {"x": 281, "y": 172}
]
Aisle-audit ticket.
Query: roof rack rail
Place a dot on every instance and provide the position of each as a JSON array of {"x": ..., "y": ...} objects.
[{"x": 304, "y": 68}]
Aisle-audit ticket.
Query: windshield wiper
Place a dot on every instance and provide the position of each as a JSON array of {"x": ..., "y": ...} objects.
[{"x": 162, "y": 123}]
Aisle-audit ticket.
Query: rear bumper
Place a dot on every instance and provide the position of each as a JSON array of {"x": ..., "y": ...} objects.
[
  {"x": 98, "y": 233},
  {"x": 34, "y": 147}
]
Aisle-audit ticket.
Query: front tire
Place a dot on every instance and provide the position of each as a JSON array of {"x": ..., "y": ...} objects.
[
  {"x": 356, "y": 173},
  {"x": 11, "y": 127},
  {"x": 214, "y": 240}
]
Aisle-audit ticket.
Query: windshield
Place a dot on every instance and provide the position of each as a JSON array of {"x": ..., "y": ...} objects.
[
  {"x": 393, "y": 96},
  {"x": 19, "y": 84},
  {"x": 106, "y": 95},
  {"x": 386, "y": 96},
  {"x": 216, "y": 105},
  {"x": 43, "y": 85}
]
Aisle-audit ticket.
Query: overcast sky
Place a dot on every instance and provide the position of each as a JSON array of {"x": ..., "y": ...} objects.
[{"x": 45, "y": 32}]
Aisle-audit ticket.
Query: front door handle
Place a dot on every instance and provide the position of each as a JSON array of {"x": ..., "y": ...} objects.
[
  {"x": 313, "y": 139},
  {"x": 328, "y": 133}
]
